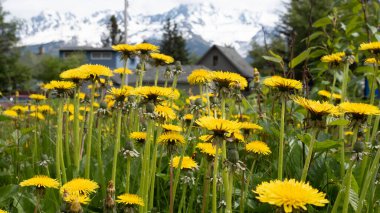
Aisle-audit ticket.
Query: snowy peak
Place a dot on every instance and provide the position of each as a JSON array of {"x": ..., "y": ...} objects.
[{"x": 204, "y": 23}]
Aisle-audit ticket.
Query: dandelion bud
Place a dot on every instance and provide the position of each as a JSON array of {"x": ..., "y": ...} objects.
[
  {"x": 75, "y": 207},
  {"x": 109, "y": 201},
  {"x": 359, "y": 147},
  {"x": 150, "y": 107},
  {"x": 198, "y": 102},
  {"x": 233, "y": 155}
]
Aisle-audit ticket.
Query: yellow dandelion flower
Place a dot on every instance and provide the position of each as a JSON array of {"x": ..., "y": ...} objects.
[
  {"x": 130, "y": 199},
  {"x": 250, "y": 126},
  {"x": 81, "y": 95},
  {"x": 375, "y": 46},
  {"x": 171, "y": 127},
  {"x": 283, "y": 84},
  {"x": 207, "y": 148},
  {"x": 75, "y": 75},
  {"x": 79, "y": 186},
  {"x": 68, "y": 108},
  {"x": 171, "y": 138},
  {"x": 371, "y": 61},
  {"x": 258, "y": 147},
  {"x": 229, "y": 79},
  {"x": 126, "y": 49},
  {"x": 10, "y": 113},
  {"x": 40, "y": 181},
  {"x": 20, "y": 109},
  {"x": 206, "y": 138},
  {"x": 327, "y": 94},
  {"x": 187, "y": 163},
  {"x": 37, "y": 115},
  {"x": 348, "y": 133},
  {"x": 154, "y": 92},
  {"x": 334, "y": 58},
  {"x": 37, "y": 97},
  {"x": 96, "y": 70},
  {"x": 188, "y": 117},
  {"x": 45, "y": 109},
  {"x": 358, "y": 109},
  {"x": 165, "y": 112},
  {"x": 199, "y": 77},
  {"x": 60, "y": 86},
  {"x": 316, "y": 108},
  {"x": 80, "y": 198},
  {"x": 289, "y": 194},
  {"x": 168, "y": 104},
  {"x": 138, "y": 136},
  {"x": 3, "y": 211},
  {"x": 123, "y": 70},
  {"x": 196, "y": 97},
  {"x": 80, "y": 117},
  {"x": 145, "y": 48},
  {"x": 237, "y": 137},
  {"x": 217, "y": 125},
  {"x": 119, "y": 94},
  {"x": 241, "y": 117},
  {"x": 161, "y": 59}
]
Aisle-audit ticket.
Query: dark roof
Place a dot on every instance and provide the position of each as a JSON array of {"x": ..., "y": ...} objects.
[
  {"x": 150, "y": 75},
  {"x": 85, "y": 48},
  {"x": 234, "y": 58}
]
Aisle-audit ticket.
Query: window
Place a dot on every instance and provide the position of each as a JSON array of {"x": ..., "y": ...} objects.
[
  {"x": 214, "y": 60},
  {"x": 101, "y": 55}
]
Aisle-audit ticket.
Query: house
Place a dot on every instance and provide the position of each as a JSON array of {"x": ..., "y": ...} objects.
[
  {"x": 226, "y": 59},
  {"x": 94, "y": 55}
]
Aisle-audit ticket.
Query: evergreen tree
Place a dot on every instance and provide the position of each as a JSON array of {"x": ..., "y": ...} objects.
[
  {"x": 12, "y": 75},
  {"x": 115, "y": 35},
  {"x": 173, "y": 43}
]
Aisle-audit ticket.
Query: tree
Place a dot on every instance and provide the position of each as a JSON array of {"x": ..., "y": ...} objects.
[
  {"x": 115, "y": 35},
  {"x": 10, "y": 77},
  {"x": 173, "y": 43}
]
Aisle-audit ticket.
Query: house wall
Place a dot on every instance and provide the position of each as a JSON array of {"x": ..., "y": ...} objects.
[
  {"x": 112, "y": 63},
  {"x": 223, "y": 64}
]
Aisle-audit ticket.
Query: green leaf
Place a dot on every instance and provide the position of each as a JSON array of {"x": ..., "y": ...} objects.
[
  {"x": 325, "y": 145},
  {"x": 4, "y": 118},
  {"x": 7, "y": 192},
  {"x": 275, "y": 55},
  {"x": 354, "y": 199},
  {"x": 304, "y": 138},
  {"x": 322, "y": 22},
  {"x": 314, "y": 35},
  {"x": 300, "y": 58},
  {"x": 271, "y": 58},
  {"x": 339, "y": 122}
]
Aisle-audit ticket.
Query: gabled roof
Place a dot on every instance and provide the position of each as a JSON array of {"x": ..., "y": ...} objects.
[{"x": 234, "y": 58}]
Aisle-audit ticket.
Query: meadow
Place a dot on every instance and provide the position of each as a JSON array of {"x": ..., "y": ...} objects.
[{"x": 84, "y": 145}]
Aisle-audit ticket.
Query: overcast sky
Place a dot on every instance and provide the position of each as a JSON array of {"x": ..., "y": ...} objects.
[{"x": 28, "y": 8}]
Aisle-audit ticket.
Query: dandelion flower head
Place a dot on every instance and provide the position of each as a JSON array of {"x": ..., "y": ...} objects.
[
  {"x": 130, "y": 199},
  {"x": 40, "y": 181},
  {"x": 258, "y": 147},
  {"x": 187, "y": 162}
]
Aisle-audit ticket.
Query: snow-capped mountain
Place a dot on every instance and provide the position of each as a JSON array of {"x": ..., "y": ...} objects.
[{"x": 201, "y": 24}]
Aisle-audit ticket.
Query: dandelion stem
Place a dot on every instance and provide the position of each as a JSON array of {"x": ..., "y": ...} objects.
[
  {"x": 117, "y": 145},
  {"x": 214, "y": 179},
  {"x": 59, "y": 140},
  {"x": 206, "y": 188},
  {"x": 341, "y": 128},
  {"x": 171, "y": 198},
  {"x": 128, "y": 174},
  {"x": 77, "y": 142},
  {"x": 309, "y": 154},
  {"x": 156, "y": 77},
  {"x": 89, "y": 135},
  {"x": 249, "y": 177},
  {"x": 281, "y": 145}
]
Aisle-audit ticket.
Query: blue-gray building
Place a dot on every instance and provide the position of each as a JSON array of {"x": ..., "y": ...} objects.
[{"x": 94, "y": 55}]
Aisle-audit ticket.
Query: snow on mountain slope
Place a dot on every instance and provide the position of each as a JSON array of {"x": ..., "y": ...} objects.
[{"x": 203, "y": 22}]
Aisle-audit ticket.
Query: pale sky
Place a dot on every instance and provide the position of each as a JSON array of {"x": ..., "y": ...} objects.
[{"x": 28, "y": 8}]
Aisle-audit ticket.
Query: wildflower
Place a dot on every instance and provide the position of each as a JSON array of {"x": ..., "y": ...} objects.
[
  {"x": 45, "y": 109},
  {"x": 187, "y": 163},
  {"x": 3, "y": 211},
  {"x": 68, "y": 108},
  {"x": 37, "y": 115},
  {"x": 206, "y": 138},
  {"x": 241, "y": 117},
  {"x": 207, "y": 148},
  {"x": 152, "y": 93},
  {"x": 199, "y": 77},
  {"x": 60, "y": 86},
  {"x": 195, "y": 98},
  {"x": 161, "y": 59},
  {"x": 316, "y": 108},
  {"x": 327, "y": 94},
  {"x": 76, "y": 75},
  {"x": 188, "y": 117},
  {"x": 164, "y": 112},
  {"x": 40, "y": 181},
  {"x": 123, "y": 70},
  {"x": 171, "y": 127},
  {"x": 119, "y": 94},
  {"x": 37, "y": 97},
  {"x": 228, "y": 79},
  {"x": 371, "y": 61},
  {"x": 250, "y": 126},
  {"x": 348, "y": 133},
  {"x": 334, "y": 58},
  {"x": 80, "y": 117},
  {"x": 371, "y": 46},
  {"x": 96, "y": 70},
  {"x": 79, "y": 186},
  {"x": 283, "y": 84},
  {"x": 218, "y": 126},
  {"x": 289, "y": 194},
  {"x": 10, "y": 113},
  {"x": 127, "y": 50},
  {"x": 130, "y": 199},
  {"x": 140, "y": 137},
  {"x": 171, "y": 138},
  {"x": 358, "y": 111},
  {"x": 146, "y": 48},
  {"x": 258, "y": 147},
  {"x": 80, "y": 198}
]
